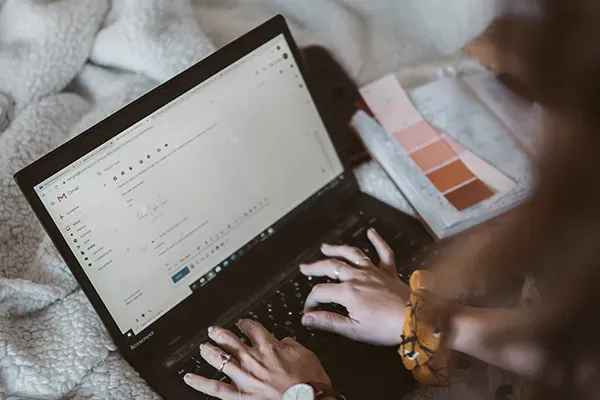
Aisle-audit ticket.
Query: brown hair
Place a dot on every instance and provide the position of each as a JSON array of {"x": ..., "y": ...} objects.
[{"x": 556, "y": 235}]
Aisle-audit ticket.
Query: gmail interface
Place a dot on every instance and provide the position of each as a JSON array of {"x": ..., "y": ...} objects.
[{"x": 150, "y": 213}]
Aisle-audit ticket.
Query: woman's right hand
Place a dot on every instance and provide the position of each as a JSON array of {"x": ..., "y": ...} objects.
[{"x": 374, "y": 297}]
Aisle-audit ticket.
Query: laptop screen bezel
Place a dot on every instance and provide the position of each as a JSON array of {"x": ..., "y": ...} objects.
[{"x": 74, "y": 149}]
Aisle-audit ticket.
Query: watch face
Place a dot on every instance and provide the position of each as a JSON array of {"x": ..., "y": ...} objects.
[{"x": 301, "y": 391}]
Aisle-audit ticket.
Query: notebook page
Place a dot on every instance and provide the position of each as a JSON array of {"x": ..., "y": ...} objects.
[{"x": 520, "y": 117}]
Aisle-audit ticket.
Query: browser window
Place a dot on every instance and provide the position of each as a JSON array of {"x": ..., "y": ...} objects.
[{"x": 150, "y": 213}]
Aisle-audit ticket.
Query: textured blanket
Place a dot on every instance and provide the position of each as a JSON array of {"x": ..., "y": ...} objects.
[{"x": 66, "y": 64}]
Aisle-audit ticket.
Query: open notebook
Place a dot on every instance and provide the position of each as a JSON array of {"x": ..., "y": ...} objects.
[{"x": 451, "y": 147}]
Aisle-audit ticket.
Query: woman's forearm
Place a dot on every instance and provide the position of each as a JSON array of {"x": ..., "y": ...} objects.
[{"x": 471, "y": 326}]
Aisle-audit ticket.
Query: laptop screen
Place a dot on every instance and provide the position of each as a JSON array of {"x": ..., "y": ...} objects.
[{"x": 159, "y": 210}]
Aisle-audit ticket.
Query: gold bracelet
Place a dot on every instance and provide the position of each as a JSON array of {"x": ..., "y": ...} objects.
[{"x": 420, "y": 341}]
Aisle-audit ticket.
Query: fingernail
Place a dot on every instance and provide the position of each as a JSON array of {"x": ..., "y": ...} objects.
[
  {"x": 308, "y": 320},
  {"x": 325, "y": 246},
  {"x": 210, "y": 329},
  {"x": 187, "y": 378},
  {"x": 201, "y": 346},
  {"x": 301, "y": 266}
]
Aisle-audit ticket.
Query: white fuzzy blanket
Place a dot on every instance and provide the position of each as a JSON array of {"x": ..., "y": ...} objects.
[{"x": 68, "y": 63}]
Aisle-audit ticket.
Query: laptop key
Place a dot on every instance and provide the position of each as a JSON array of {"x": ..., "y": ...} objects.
[
  {"x": 359, "y": 233},
  {"x": 195, "y": 365},
  {"x": 413, "y": 243},
  {"x": 181, "y": 371},
  {"x": 390, "y": 233}
]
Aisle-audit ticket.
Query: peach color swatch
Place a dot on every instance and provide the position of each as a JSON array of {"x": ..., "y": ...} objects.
[
  {"x": 434, "y": 153},
  {"x": 450, "y": 176},
  {"x": 463, "y": 197},
  {"x": 416, "y": 136}
]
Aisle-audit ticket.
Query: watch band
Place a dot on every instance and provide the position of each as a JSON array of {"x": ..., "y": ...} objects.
[{"x": 323, "y": 390}]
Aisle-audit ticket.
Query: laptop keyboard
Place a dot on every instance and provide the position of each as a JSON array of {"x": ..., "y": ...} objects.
[{"x": 281, "y": 312}]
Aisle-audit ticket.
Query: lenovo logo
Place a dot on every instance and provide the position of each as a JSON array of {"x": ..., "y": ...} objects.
[{"x": 142, "y": 340}]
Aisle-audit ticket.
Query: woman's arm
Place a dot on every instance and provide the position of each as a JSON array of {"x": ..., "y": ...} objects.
[
  {"x": 375, "y": 299},
  {"x": 471, "y": 326}
]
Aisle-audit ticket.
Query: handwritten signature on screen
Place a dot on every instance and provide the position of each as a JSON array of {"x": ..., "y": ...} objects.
[{"x": 153, "y": 209}]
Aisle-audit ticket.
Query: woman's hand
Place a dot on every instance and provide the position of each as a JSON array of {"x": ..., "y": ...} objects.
[
  {"x": 374, "y": 297},
  {"x": 263, "y": 371}
]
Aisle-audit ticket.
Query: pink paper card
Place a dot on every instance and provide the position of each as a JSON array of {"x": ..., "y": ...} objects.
[
  {"x": 416, "y": 136},
  {"x": 391, "y": 104},
  {"x": 400, "y": 118}
]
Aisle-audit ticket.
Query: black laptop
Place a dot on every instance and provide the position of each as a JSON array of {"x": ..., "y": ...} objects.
[{"x": 194, "y": 205}]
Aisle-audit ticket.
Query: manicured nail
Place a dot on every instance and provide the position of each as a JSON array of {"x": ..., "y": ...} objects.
[
  {"x": 187, "y": 378},
  {"x": 308, "y": 320}
]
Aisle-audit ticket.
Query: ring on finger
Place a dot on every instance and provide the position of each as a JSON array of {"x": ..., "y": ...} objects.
[
  {"x": 225, "y": 359},
  {"x": 336, "y": 271},
  {"x": 360, "y": 261}
]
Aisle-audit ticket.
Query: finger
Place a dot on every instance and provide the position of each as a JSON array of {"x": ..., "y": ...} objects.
[
  {"x": 324, "y": 293},
  {"x": 330, "y": 322},
  {"x": 258, "y": 334},
  {"x": 228, "y": 341},
  {"x": 211, "y": 387},
  {"x": 329, "y": 268},
  {"x": 351, "y": 254},
  {"x": 288, "y": 341},
  {"x": 385, "y": 253},
  {"x": 214, "y": 356}
]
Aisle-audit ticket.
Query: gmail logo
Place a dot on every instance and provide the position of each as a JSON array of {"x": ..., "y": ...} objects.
[{"x": 61, "y": 197}]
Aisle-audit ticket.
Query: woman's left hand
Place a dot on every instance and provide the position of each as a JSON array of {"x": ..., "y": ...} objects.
[{"x": 264, "y": 370}]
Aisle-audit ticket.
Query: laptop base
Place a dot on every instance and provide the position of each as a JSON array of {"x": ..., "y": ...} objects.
[{"x": 358, "y": 370}]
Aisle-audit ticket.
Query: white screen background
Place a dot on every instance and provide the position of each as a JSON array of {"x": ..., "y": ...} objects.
[{"x": 192, "y": 183}]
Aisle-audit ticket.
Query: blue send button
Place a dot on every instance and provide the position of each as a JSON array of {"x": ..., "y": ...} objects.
[{"x": 180, "y": 275}]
